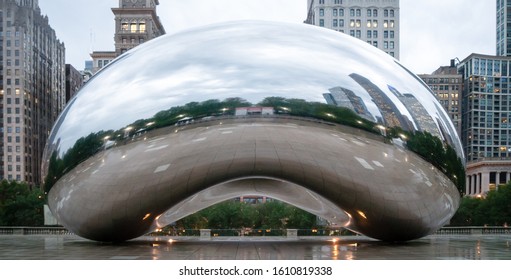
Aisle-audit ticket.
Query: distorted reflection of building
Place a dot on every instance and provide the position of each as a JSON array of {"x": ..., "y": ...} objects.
[
  {"x": 252, "y": 199},
  {"x": 343, "y": 97},
  {"x": 446, "y": 131},
  {"x": 249, "y": 111},
  {"x": 392, "y": 116},
  {"x": 420, "y": 115}
]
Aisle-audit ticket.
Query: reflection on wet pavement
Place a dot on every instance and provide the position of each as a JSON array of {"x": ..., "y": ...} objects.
[{"x": 474, "y": 247}]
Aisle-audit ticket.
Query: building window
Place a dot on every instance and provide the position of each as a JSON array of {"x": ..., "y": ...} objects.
[
  {"x": 369, "y": 34},
  {"x": 359, "y": 33},
  {"x": 369, "y": 12},
  {"x": 352, "y": 12},
  {"x": 124, "y": 26},
  {"x": 392, "y": 34},
  {"x": 392, "y": 45},
  {"x": 334, "y": 12},
  {"x": 385, "y": 34},
  {"x": 375, "y": 13},
  {"x": 141, "y": 26},
  {"x": 375, "y": 23},
  {"x": 321, "y": 12},
  {"x": 352, "y": 33},
  {"x": 391, "y": 13},
  {"x": 341, "y": 23},
  {"x": 386, "y": 13},
  {"x": 375, "y": 34},
  {"x": 133, "y": 28},
  {"x": 321, "y": 22},
  {"x": 359, "y": 13},
  {"x": 334, "y": 23},
  {"x": 385, "y": 45},
  {"x": 341, "y": 12},
  {"x": 321, "y": 1}
]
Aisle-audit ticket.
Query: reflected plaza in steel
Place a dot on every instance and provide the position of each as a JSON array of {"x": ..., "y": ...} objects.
[{"x": 306, "y": 115}]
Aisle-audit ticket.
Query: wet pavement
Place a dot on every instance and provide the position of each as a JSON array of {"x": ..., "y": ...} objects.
[{"x": 435, "y": 247}]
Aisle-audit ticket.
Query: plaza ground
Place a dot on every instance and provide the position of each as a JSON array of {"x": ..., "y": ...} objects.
[{"x": 434, "y": 247}]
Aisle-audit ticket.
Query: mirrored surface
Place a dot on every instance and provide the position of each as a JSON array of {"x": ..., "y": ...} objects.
[{"x": 302, "y": 107}]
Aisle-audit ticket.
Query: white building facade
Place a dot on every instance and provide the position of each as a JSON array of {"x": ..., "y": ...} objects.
[{"x": 373, "y": 21}]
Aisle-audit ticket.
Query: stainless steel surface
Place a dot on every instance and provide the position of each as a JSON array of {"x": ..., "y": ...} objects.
[{"x": 290, "y": 111}]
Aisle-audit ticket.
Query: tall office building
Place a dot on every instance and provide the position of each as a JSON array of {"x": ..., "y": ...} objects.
[
  {"x": 446, "y": 83},
  {"x": 373, "y": 21},
  {"x": 74, "y": 81},
  {"x": 486, "y": 116},
  {"x": 503, "y": 29},
  {"x": 136, "y": 22},
  {"x": 32, "y": 88}
]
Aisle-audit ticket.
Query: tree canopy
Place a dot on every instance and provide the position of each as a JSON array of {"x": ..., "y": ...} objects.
[{"x": 20, "y": 205}]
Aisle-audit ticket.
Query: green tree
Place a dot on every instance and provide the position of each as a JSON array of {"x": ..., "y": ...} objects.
[
  {"x": 20, "y": 205},
  {"x": 494, "y": 209},
  {"x": 236, "y": 215}
]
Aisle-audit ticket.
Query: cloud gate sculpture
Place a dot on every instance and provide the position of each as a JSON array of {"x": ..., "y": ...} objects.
[{"x": 303, "y": 114}]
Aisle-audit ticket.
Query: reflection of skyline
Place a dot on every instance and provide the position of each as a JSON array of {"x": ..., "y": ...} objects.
[
  {"x": 343, "y": 97},
  {"x": 419, "y": 114},
  {"x": 392, "y": 117},
  {"x": 448, "y": 131}
]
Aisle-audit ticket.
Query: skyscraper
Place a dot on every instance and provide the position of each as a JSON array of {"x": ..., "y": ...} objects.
[
  {"x": 374, "y": 21},
  {"x": 32, "y": 87},
  {"x": 136, "y": 22},
  {"x": 503, "y": 30},
  {"x": 486, "y": 128}
]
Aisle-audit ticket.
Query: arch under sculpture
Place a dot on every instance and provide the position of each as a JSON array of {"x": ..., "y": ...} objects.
[{"x": 303, "y": 114}]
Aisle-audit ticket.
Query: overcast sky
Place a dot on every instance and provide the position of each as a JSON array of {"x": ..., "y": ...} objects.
[{"x": 432, "y": 31}]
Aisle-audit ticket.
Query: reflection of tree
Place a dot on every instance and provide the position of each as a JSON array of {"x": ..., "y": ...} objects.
[
  {"x": 83, "y": 149},
  {"x": 441, "y": 156},
  {"x": 330, "y": 113},
  {"x": 429, "y": 147},
  {"x": 194, "y": 110}
]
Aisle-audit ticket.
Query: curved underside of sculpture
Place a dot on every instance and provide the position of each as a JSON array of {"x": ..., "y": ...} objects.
[{"x": 302, "y": 114}]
